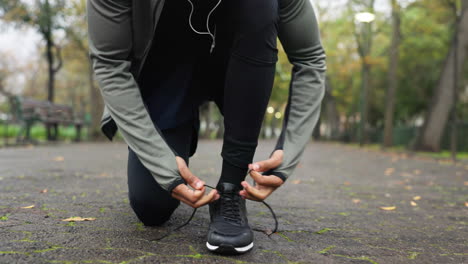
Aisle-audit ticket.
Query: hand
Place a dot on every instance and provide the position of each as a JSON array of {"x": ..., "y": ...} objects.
[
  {"x": 194, "y": 198},
  {"x": 264, "y": 184}
]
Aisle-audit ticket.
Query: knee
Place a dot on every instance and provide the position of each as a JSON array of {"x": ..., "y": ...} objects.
[{"x": 151, "y": 213}]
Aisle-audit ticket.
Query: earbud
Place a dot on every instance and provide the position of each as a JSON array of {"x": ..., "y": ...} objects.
[{"x": 212, "y": 47}]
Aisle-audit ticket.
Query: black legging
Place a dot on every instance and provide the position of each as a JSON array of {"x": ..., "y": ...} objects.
[
  {"x": 152, "y": 204},
  {"x": 238, "y": 76}
]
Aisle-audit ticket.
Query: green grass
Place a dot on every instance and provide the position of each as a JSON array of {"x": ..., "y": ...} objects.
[
  {"x": 38, "y": 133},
  {"x": 444, "y": 155},
  {"x": 436, "y": 155},
  {"x": 4, "y": 217}
]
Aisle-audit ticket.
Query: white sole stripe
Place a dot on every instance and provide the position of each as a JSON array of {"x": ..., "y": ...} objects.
[{"x": 238, "y": 249}]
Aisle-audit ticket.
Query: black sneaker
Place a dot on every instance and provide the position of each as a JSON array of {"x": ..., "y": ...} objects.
[{"x": 229, "y": 231}]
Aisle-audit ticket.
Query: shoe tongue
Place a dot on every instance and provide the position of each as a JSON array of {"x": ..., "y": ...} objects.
[{"x": 226, "y": 187}]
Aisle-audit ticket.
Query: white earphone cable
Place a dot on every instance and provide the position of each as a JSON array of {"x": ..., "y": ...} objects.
[{"x": 208, "y": 32}]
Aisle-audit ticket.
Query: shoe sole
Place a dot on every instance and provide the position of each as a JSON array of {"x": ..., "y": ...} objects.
[{"x": 229, "y": 249}]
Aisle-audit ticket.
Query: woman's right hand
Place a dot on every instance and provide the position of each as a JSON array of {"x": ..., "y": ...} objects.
[{"x": 196, "y": 197}]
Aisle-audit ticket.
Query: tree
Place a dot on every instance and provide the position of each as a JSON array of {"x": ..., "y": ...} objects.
[
  {"x": 364, "y": 47},
  {"x": 445, "y": 93},
  {"x": 44, "y": 16},
  {"x": 392, "y": 75}
]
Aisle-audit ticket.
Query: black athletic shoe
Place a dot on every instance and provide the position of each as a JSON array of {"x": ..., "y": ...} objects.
[{"x": 229, "y": 231}]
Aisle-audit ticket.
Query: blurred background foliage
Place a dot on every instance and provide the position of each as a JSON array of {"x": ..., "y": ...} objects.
[{"x": 408, "y": 97}]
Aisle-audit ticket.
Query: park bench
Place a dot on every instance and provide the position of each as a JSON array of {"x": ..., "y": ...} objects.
[{"x": 27, "y": 111}]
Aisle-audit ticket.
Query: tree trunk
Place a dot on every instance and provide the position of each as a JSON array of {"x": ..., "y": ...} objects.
[
  {"x": 50, "y": 62},
  {"x": 392, "y": 76},
  {"x": 331, "y": 111},
  {"x": 365, "y": 101},
  {"x": 443, "y": 98},
  {"x": 50, "y": 67},
  {"x": 364, "y": 45}
]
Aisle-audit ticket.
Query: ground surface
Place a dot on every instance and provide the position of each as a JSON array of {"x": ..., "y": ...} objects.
[{"x": 329, "y": 211}]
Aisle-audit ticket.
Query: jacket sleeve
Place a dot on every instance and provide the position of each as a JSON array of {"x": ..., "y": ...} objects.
[
  {"x": 110, "y": 43},
  {"x": 299, "y": 34}
]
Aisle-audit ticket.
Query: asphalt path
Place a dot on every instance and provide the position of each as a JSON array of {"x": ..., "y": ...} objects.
[{"x": 342, "y": 205}]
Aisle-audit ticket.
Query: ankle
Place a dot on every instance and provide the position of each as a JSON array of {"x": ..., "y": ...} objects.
[{"x": 232, "y": 174}]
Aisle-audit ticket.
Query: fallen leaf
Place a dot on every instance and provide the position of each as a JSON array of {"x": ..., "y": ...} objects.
[
  {"x": 417, "y": 172},
  {"x": 389, "y": 171},
  {"x": 466, "y": 204},
  {"x": 44, "y": 191},
  {"x": 346, "y": 183},
  {"x": 78, "y": 219},
  {"x": 408, "y": 187},
  {"x": 59, "y": 158},
  {"x": 465, "y": 183},
  {"x": 388, "y": 208},
  {"x": 104, "y": 174},
  {"x": 417, "y": 198},
  {"x": 413, "y": 203},
  {"x": 28, "y": 207},
  {"x": 356, "y": 201},
  {"x": 296, "y": 181}
]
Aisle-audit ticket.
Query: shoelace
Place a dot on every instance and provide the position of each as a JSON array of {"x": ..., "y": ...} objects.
[
  {"x": 267, "y": 232},
  {"x": 230, "y": 207}
]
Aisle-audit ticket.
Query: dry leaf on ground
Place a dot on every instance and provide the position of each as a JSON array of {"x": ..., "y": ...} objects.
[
  {"x": 44, "y": 191},
  {"x": 296, "y": 181},
  {"x": 78, "y": 219},
  {"x": 356, "y": 201},
  {"x": 59, "y": 158},
  {"x": 388, "y": 208},
  {"x": 417, "y": 198},
  {"x": 413, "y": 203},
  {"x": 28, "y": 207},
  {"x": 466, "y": 204},
  {"x": 389, "y": 171}
]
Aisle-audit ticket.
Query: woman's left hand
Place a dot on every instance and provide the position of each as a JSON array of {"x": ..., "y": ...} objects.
[{"x": 264, "y": 184}]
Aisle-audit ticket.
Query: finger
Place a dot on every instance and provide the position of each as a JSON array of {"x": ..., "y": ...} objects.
[
  {"x": 189, "y": 194},
  {"x": 267, "y": 180},
  {"x": 244, "y": 194},
  {"x": 271, "y": 163},
  {"x": 252, "y": 191},
  {"x": 212, "y": 196},
  {"x": 206, "y": 199},
  {"x": 190, "y": 178}
]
